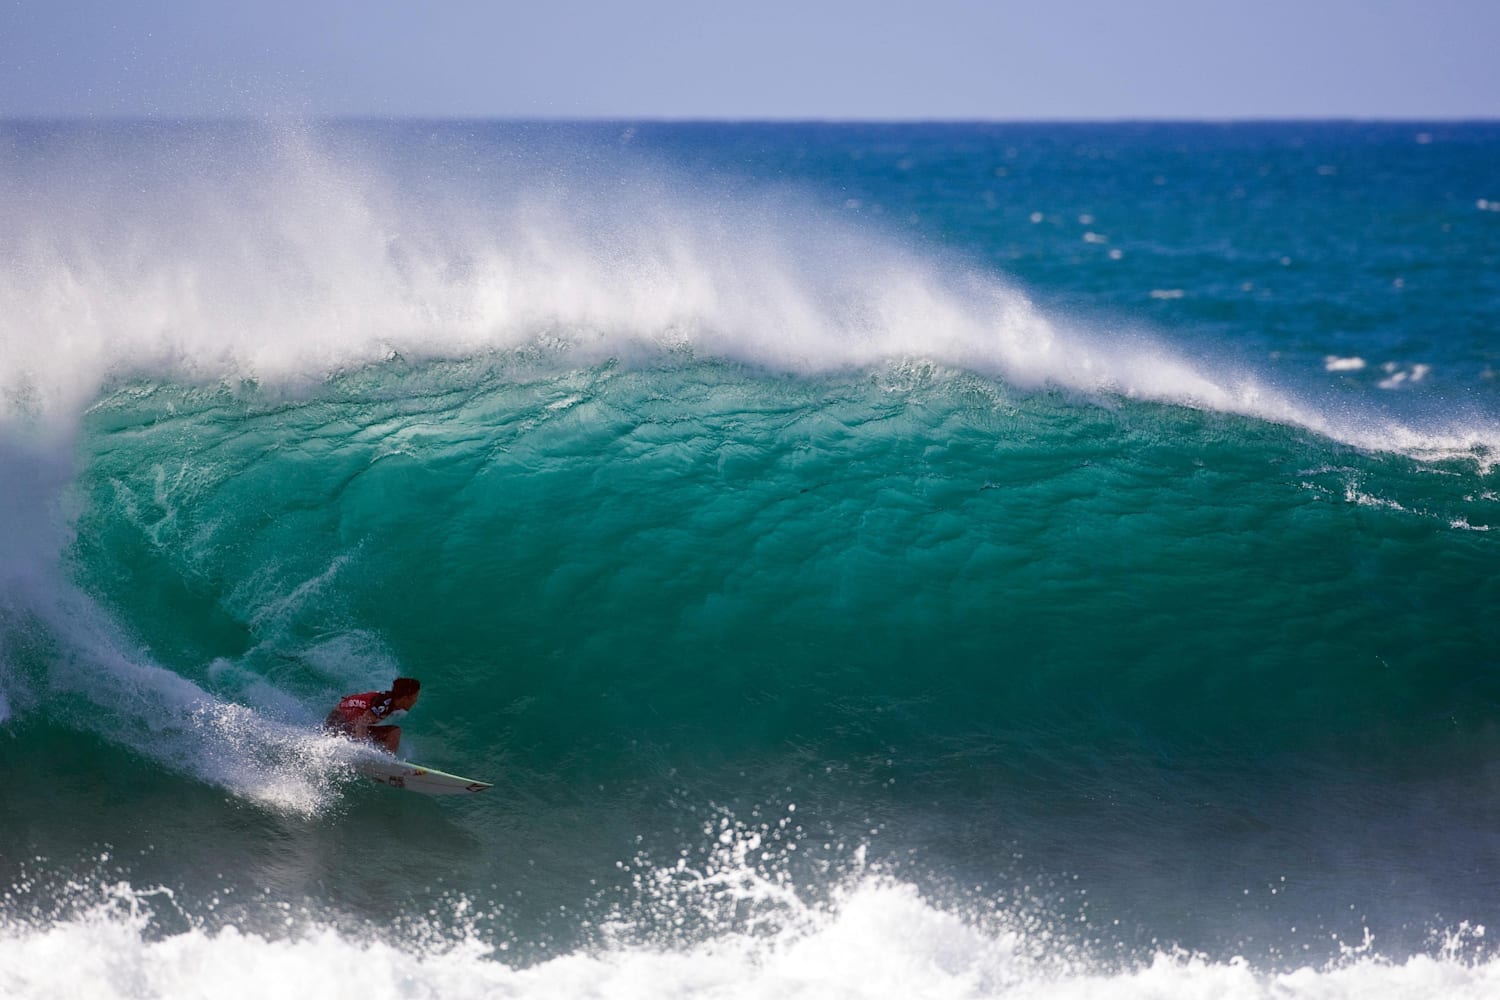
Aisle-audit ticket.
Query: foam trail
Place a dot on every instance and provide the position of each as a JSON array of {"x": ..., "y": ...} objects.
[
  {"x": 60, "y": 649},
  {"x": 93, "y": 680}
]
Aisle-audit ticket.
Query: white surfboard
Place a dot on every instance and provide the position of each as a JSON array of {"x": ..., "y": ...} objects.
[{"x": 416, "y": 777}]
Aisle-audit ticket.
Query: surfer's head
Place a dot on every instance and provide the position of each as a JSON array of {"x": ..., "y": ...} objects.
[{"x": 404, "y": 691}]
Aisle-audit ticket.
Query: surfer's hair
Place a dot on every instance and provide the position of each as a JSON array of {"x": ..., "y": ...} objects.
[{"x": 403, "y": 686}]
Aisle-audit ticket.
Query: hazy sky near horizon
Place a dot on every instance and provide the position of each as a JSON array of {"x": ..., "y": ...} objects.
[{"x": 1058, "y": 59}]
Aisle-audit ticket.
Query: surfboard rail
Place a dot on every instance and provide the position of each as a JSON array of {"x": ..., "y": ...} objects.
[{"x": 415, "y": 777}]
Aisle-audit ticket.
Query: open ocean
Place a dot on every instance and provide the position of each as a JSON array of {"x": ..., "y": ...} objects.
[{"x": 890, "y": 561}]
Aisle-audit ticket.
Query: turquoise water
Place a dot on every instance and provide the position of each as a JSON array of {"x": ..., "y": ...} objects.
[{"x": 1045, "y": 557}]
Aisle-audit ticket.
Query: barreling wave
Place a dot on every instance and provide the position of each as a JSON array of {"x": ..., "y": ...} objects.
[{"x": 197, "y": 278}]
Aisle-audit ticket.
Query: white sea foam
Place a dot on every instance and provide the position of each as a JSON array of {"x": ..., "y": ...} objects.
[
  {"x": 730, "y": 923},
  {"x": 879, "y": 939},
  {"x": 1396, "y": 376},
  {"x": 1333, "y": 363}
]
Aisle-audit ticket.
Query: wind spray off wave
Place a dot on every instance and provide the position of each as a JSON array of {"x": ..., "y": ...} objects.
[{"x": 284, "y": 254}]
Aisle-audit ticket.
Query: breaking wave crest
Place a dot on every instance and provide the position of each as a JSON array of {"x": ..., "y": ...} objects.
[{"x": 282, "y": 255}]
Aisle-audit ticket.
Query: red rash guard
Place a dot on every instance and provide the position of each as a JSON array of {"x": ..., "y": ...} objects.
[{"x": 351, "y": 709}]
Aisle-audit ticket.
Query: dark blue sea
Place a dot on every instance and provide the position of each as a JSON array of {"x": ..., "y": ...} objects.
[{"x": 870, "y": 560}]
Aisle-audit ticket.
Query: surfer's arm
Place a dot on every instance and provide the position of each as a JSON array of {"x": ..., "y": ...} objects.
[{"x": 360, "y": 727}]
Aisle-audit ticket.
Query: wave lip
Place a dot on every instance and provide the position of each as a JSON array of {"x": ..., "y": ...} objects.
[{"x": 284, "y": 255}]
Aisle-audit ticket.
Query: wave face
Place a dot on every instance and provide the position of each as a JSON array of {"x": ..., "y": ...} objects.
[{"x": 808, "y": 587}]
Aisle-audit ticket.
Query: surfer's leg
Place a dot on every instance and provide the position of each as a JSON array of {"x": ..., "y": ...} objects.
[{"x": 387, "y": 736}]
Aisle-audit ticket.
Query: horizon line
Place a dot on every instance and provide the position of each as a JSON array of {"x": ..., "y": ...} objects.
[{"x": 1269, "y": 119}]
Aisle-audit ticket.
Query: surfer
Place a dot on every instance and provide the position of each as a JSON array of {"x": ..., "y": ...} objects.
[{"x": 358, "y": 715}]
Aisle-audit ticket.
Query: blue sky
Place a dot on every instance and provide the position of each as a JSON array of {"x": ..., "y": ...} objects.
[{"x": 1045, "y": 59}]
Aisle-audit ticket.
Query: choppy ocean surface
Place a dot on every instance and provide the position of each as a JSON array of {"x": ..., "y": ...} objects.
[{"x": 870, "y": 560}]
